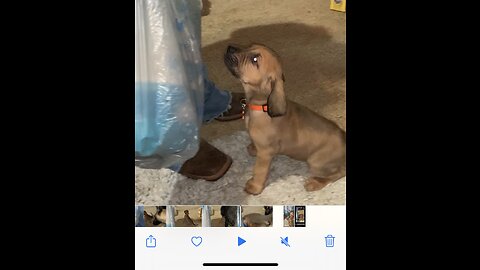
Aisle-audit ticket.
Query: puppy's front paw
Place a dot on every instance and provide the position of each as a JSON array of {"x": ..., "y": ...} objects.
[
  {"x": 253, "y": 187},
  {"x": 252, "y": 150},
  {"x": 313, "y": 184}
]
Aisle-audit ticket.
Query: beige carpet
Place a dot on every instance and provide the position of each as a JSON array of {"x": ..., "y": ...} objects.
[{"x": 285, "y": 184}]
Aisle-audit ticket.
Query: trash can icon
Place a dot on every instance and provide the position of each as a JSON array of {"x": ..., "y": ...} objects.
[{"x": 329, "y": 240}]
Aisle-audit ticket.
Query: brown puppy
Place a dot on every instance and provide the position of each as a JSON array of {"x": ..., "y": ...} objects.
[
  {"x": 279, "y": 126},
  {"x": 187, "y": 219}
]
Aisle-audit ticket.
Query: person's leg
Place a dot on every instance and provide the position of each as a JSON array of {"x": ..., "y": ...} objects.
[
  {"x": 209, "y": 163},
  {"x": 221, "y": 105},
  {"x": 216, "y": 101}
]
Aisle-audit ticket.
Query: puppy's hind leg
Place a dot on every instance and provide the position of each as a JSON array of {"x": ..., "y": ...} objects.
[
  {"x": 323, "y": 175},
  {"x": 316, "y": 183}
]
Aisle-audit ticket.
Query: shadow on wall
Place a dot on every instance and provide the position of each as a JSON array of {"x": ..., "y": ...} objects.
[{"x": 311, "y": 60}]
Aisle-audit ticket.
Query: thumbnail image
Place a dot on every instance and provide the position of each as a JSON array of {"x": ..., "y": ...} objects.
[
  {"x": 224, "y": 216},
  {"x": 188, "y": 216},
  {"x": 139, "y": 221},
  {"x": 293, "y": 216},
  {"x": 288, "y": 216},
  {"x": 155, "y": 216},
  {"x": 257, "y": 216},
  {"x": 299, "y": 216}
]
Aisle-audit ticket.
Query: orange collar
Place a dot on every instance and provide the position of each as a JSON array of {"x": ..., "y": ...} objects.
[{"x": 252, "y": 107}]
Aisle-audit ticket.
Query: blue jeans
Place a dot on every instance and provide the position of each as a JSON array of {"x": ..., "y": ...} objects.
[{"x": 216, "y": 101}]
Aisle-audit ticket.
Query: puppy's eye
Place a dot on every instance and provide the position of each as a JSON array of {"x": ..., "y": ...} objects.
[{"x": 254, "y": 59}]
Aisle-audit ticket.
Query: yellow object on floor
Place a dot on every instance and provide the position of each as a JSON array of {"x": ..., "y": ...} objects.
[{"x": 338, "y": 5}]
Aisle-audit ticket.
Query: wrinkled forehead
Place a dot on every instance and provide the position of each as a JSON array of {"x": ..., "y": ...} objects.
[{"x": 258, "y": 48}]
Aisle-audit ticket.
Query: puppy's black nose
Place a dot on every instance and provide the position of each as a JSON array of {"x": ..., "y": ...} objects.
[{"x": 231, "y": 50}]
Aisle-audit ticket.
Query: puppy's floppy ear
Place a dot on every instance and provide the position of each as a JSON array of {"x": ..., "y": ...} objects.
[{"x": 277, "y": 102}]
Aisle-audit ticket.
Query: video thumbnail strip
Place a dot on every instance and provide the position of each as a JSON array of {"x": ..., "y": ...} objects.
[{"x": 217, "y": 216}]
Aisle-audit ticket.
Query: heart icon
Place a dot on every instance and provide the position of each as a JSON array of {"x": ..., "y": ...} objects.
[{"x": 196, "y": 240}]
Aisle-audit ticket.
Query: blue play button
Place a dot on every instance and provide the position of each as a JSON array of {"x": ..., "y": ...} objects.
[{"x": 241, "y": 241}]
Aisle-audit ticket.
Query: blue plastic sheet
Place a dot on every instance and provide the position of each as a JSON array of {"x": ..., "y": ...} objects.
[{"x": 169, "y": 81}]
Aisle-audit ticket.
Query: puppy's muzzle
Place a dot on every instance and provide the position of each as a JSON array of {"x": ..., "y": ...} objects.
[
  {"x": 231, "y": 61},
  {"x": 231, "y": 50}
]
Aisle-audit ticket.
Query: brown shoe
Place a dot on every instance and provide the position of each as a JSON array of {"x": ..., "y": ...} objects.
[
  {"x": 235, "y": 111},
  {"x": 209, "y": 163}
]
